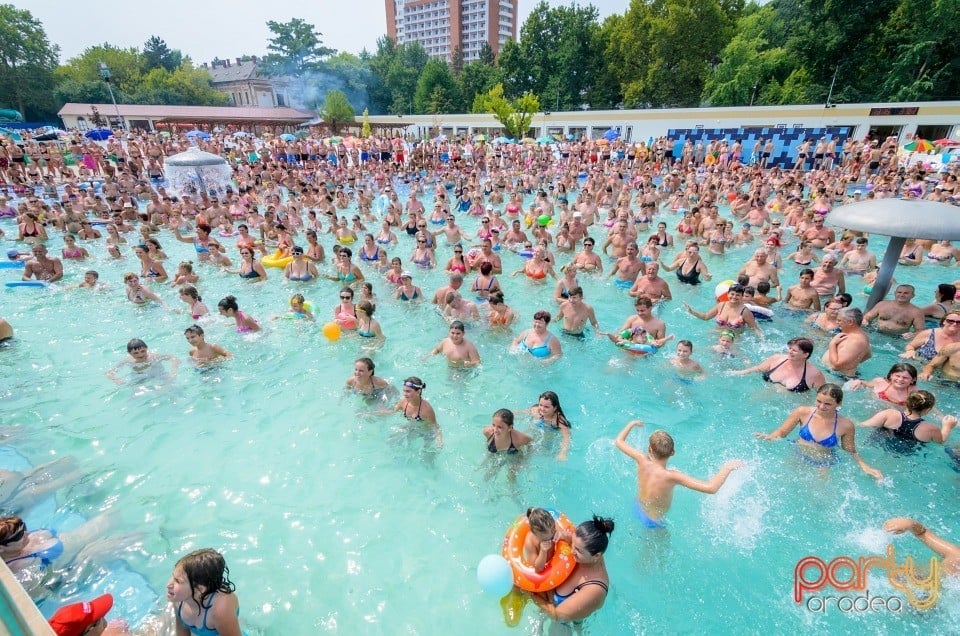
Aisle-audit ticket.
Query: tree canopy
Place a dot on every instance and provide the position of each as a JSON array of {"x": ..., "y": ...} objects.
[
  {"x": 295, "y": 48},
  {"x": 27, "y": 62},
  {"x": 337, "y": 110}
]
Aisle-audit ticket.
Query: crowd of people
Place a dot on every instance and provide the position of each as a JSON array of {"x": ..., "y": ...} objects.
[{"x": 294, "y": 204}]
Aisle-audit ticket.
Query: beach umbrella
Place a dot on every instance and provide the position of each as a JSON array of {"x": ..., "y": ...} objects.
[
  {"x": 241, "y": 133},
  {"x": 503, "y": 140},
  {"x": 946, "y": 143},
  {"x": 164, "y": 133},
  {"x": 336, "y": 140},
  {"x": 195, "y": 134},
  {"x": 99, "y": 134},
  {"x": 528, "y": 140},
  {"x": 440, "y": 138},
  {"x": 919, "y": 145},
  {"x": 545, "y": 140},
  {"x": 15, "y": 136},
  {"x": 611, "y": 134},
  {"x": 302, "y": 134},
  {"x": 480, "y": 137},
  {"x": 287, "y": 137}
]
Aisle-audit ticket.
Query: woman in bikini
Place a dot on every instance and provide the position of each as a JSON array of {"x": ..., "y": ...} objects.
[
  {"x": 250, "y": 268},
  {"x": 70, "y": 251},
  {"x": 485, "y": 283},
  {"x": 345, "y": 313},
  {"x": 908, "y": 424},
  {"x": 245, "y": 324},
  {"x": 823, "y": 429},
  {"x": 423, "y": 253},
  {"x": 927, "y": 343},
  {"x": 584, "y": 591},
  {"x": 732, "y": 314},
  {"x": 150, "y": 269},
  {"x": 791, "y": 370},
  {"x": 900, "y": 382},
  {"x": 501, "y": 315},
  {"x": 456, "y": 264}
]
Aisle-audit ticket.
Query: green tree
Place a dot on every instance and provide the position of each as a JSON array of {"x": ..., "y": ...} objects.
[
  {"x": 395, "y": 72},
  {"x": 514, "y": 115},
  {"x": 477, "y": 77},
  {"x": 156, "y": 54},
  {"x": 436, "y": 89},
  {"x": 186, "y": 85},
  {"x": 365, "y": 128},
  {"x": 126, "y": 68},
  {"x": 27, "y": 61},
  {"x": 295, "y": 48},
  {"x": 337, "y": 111}
]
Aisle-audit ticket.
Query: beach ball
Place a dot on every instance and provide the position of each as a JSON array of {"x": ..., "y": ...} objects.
[
  {"x": 543, "y": 220},
  {"x": 332, "y": 331},
  {"x": 494, "y": 575},
  {"x": 720, "y": 292}
]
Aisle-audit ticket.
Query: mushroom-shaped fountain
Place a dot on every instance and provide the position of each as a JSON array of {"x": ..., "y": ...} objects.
[
  {"x": 899, "y": 219},
  {"x": 195, "y": 171}
]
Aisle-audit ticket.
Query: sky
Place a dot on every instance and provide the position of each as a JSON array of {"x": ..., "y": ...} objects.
[{"x": 205, "y": 29}]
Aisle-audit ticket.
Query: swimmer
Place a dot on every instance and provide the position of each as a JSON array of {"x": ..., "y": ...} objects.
[
  {"x": 21, "y": 490},
  {"x": 791, "y": 370},
  {"x": 364, "y": 381},
  {"x": 245, "y": 324},
  {"x": 205, "y": 598},
  {"x": 537, "y": 341},
  {"x": 415, "y": 408},
  {"x": 185, "y": 275},
  {"x": 137, "y": 293},
  {"x": 585, "y": 590},
  {"x": 6, "y": 331},
  {"x": 91, "y": 280},
  {"x": 502, "y": 437},
  {"x": 683, "y": 363},
  {"x": 908, "y": 424},
  {"x": 541, "y": 541},
  {"x": 298, "y": 308},
  {"x": 949, "y": 552},
  {"x": 575, "y": 313},
  {"x": 367, "y": 325},
  {"x": 201, "y": 350},
  {"x": 724, "y": 347},
  {"x": 88, "y": 619},
  {"x": 637, "y": 340},
  {"x": 900, "y": 382},
  {"x": 459, "y": 351},
  {"x": 190, "y": 295},
  {"x": 144, "y": 363},
  {"x": 823, "y": 429},
  {"x": 655, "y": 482}
]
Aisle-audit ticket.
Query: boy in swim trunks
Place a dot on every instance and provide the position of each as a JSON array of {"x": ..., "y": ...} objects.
[
  {"x": 143, "y": 363},
  {"x": 203, "y": 351},
  {"x": 655, "y": 482}
]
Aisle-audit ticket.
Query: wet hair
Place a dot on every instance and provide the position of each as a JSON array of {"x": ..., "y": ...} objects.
[
  {"x": 946, "y": 291},
  {"x": 415, "y": 383},
  {"x": 541, "y": 522},
  {"x": 643, "y": 301},
  {"x": 347, "y": 251},
  {"x": 92, "y": 272},
  {"x": 763, "y": 287},
  {"x": 187, "y": 266},
  {"x": 595, "y": 534},
  {"x": 806, "y": 271},
  {"x": 576, "y": 291},
  {"x": 919, "y": 401},
  {"x": 136, "y": 343},
  {"x": 506, "y": 415},
  {"x": 230, "y": 302},
  {"x": 486, "y": 267},
  {"x": 554, "y": 400},
  {"x": 845, "y": 298},
  {"x": 459, "y": 326},
  {"x": 832, "y": 390},
  {"x": 496, "y": 298},
  {"x": 686, "y": 343},
  {"x": 903, "y": 367},
  {"x": 191, "y": 291},
  {"x": 195, "y": 329},
  {"x": 737, "y": 288},
  {"x": 743, "y": 280},
  {"x": 542, "y": 315},
  {"x": 805, "y": 345},
  {"x": 208, "y": 568},
  {"x": 450, "y": 297},
  {"x": 347, "y": 290},
  {"x": 852, "y": 313},
  {"x": 297, "y": 298},
  {"x": 367, "y": 362},
  {"x": 366, "y": 307},
  {"x": 10, "y": 527}
]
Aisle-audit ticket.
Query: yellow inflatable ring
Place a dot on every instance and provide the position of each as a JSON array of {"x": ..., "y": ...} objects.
[
  {"x": 559, "y": 566},
  {"x": 276, "y": 260}
]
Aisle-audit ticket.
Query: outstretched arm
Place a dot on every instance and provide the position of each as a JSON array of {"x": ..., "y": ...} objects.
[
  {"x": 899, "y": 525},
  {"x": 713, "y": 484},
  {"x": 626, "y": 448}
]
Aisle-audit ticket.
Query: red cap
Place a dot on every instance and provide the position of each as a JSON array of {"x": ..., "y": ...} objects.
[{"x": 72, "y": 620}]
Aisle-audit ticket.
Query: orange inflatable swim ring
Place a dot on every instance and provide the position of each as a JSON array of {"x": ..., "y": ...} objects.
[{"x": 559, "y": 566}]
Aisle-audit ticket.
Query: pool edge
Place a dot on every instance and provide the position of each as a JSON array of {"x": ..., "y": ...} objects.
[{"x": 16, "y": 604}]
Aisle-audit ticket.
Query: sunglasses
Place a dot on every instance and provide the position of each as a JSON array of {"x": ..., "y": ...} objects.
[
  {"x": 13, "y": 538},
  {"x": 346, "y": 298},
  {"x": 422, "y": 242},
  {"x": 951, "y": 321}
]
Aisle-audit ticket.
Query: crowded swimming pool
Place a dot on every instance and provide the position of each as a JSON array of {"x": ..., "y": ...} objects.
[{"x": 332, "y": 521}]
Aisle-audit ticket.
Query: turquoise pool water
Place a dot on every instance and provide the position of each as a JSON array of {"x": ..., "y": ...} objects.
[{"x": 334, "y": 523}]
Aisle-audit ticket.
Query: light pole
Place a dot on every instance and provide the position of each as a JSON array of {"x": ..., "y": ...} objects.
[{"x": 105, "y": 74}]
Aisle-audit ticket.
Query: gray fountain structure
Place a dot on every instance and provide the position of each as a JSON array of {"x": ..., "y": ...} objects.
[
  {"x": 195, "y": 171},
  {"x": 899, "y": 219}
]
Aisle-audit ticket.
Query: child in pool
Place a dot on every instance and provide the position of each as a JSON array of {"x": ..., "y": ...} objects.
[
  {"x": 205, "y": 597},
  {"x": 633, "y": 339},
  {"x": 185, "y": 275},
  {"x": 541, "y": 541},
  {"x": 143, "y": 363},
  {"x": 299, "y": 308},
  {"x": 683, "y": 363},
  {"x": 202, "y": 350},
  {"x": 724, "y": 347}
]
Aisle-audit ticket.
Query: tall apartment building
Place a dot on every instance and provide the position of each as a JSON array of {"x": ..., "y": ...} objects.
[{"x": 440, "y": 26}]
